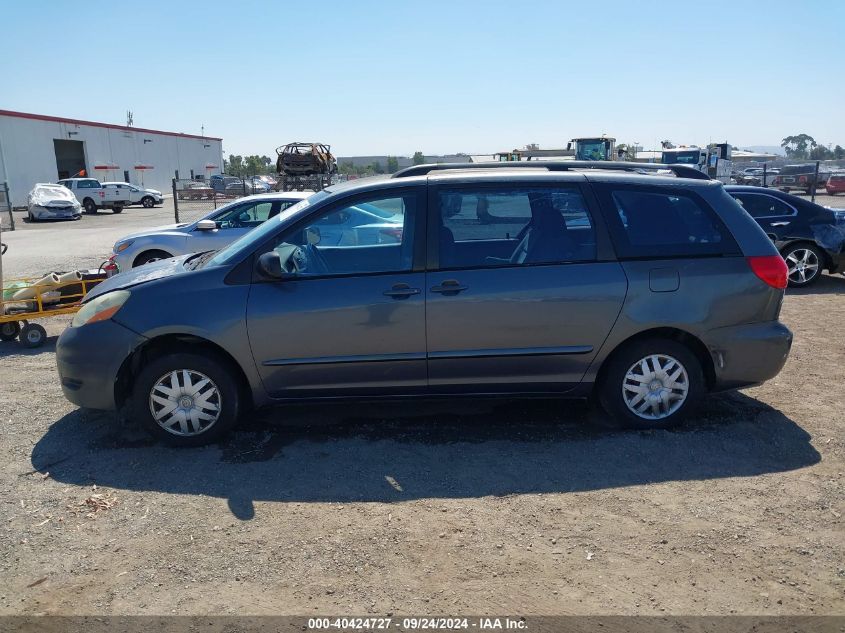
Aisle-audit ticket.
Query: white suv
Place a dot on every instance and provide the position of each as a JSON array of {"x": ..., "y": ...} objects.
[{"x": 148, "y": 198}]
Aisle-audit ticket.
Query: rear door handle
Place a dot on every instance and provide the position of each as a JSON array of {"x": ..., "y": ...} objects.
[
  {"x": 780, "y": 224},
  {"x": 449, "y": 287},
  {"x": 401, "y": 291}
]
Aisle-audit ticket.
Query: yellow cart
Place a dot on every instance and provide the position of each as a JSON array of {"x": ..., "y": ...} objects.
[{"x": 40, "y": 301}]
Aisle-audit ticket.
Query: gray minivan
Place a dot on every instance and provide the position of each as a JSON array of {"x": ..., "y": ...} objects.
[{"x": 567, "y": 279}]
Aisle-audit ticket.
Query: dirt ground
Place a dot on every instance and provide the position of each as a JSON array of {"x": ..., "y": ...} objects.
[{"x": 462, "y": 507}]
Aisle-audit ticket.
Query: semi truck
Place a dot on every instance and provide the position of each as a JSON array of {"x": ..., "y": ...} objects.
[{"x": 713, "y": 160}]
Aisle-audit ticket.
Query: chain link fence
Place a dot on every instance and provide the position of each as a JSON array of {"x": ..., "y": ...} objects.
[
  {"x": 7, "y": 220},
  {"x": 195, "y": 198}
]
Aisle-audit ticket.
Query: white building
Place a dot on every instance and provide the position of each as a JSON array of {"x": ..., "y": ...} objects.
[{"x": 37, "y": 148}]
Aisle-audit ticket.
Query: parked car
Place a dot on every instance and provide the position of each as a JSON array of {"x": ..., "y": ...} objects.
[
  {"x": 800, "y": 177},
  {"x": 47, "y": 201},
  {"x": 93, "y": 195},
  {"x": 811, "y": 238},
  {"x": 648, "y": 291},
  {"x": 194, "y": 190},
  {"x": 213, "y": 231},
  {"x": 754, "y": 177},
  {"x": 246, "y": 188},
  {"x": 147, "y": 198},
  {"x": 219, "y": 182},
  {"x": 835, "y": 184}
]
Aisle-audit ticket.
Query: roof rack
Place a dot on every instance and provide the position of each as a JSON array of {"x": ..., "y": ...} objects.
[{"x": 680, "y": 171}]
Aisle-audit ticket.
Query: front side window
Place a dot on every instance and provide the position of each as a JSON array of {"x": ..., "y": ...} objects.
[
  {"x": 249, "y": 215},
  {"x": 513, "y": 226},
  {"x": 370, "y": 236},
  {"x": 662, "y": 224},
  {"x": 759, "y": 206},
  {"x": 87, "y": 184}
]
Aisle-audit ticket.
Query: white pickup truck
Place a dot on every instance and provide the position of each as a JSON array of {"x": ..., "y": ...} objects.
[{"x": 94, "y": 195}]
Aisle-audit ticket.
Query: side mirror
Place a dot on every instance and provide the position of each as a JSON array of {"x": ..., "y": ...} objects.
[
  {"x": 206, "y": 225},
  {"x": 312, "y": 235},
  {"x": 270, "y": 265}
]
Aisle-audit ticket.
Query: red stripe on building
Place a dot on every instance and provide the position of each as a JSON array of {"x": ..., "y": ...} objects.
[{"x": 109, "y": 126}]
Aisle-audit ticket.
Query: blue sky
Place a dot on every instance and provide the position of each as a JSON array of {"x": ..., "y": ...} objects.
[{"x": 374, "y": 77}]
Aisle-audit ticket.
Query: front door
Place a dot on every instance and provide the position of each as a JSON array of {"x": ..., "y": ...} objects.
[
  {"x": 518, "y": 300},
  {"x": 351, "y": 319}
]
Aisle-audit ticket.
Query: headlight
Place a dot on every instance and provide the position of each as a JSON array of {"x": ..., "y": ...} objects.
[
  {"x": 122, "y": 246},
  {"x": 100, "y": 308}
]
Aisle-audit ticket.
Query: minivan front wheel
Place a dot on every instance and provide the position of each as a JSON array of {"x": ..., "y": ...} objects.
[
  {"x": 186, "y": 399},
  {"x": 651, "y": 384}
]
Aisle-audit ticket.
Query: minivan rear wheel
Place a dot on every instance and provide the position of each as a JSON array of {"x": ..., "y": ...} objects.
[
  {"x": 186, "y": 399},
  {"x": 651, "y": 383}
]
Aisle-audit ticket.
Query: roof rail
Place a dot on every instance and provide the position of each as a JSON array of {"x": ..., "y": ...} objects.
[{"x": 680, "y": 171}]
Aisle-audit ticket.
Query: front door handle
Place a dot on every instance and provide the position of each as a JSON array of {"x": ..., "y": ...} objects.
[
  {"x": 401, "y": 291},
  {"x": 449, "y": 287},
  {"x": 780, "y": 224}
]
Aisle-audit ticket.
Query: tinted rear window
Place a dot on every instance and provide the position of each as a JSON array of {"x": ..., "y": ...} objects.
[{"x": 654, "y": 223}]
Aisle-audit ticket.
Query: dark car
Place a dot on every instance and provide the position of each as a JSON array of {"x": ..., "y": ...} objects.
[
  {"x": 801, "y": 177},
  {"x": 810, "y": 237},
  {"x": 648, "y": 291}
]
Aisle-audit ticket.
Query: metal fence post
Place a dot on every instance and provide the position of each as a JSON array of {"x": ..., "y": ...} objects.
[
  {"x": 815, "y": 181},
  {"x": 9, "y": 206},
  {"x": 765, "y": 183},
  {"x": 175, "y": 202}
]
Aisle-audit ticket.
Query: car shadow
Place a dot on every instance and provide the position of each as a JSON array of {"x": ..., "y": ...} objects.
[
  {"x": 14, "y": 348},
  {"x": 826, "y": 285},
  {"x": 449, "y": 449}
]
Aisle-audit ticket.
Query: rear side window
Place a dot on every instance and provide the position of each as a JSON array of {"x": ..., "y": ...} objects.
[
  {"x": 760, "y": 206},
  {"x": 653, "y": 223},
  {"x": 514, "y": 226}
]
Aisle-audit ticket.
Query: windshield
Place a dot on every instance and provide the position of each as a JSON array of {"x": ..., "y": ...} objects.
[
  {"x": 592, "y": 150},
  {"x": 253, "y": 238},
  {"x": 680, "y": 158}
]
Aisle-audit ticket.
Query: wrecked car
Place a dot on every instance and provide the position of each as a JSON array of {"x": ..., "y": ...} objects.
[{"x": 47, "y": 201}]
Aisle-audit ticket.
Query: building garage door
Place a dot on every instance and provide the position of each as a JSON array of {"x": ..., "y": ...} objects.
[{"x": 70, "y": 158}]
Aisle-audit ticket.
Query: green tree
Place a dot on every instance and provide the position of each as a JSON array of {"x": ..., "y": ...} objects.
[
  {"x": 798, "y": 146},
  {"x": 392, "y": 164},
  {"x": 419, "y": 158},
  {"x": 820, "y": 152},
  {"x": 377, "y": 168},
  {"x": 839, "y": 152},
  {"x": 234, "y": 165}
]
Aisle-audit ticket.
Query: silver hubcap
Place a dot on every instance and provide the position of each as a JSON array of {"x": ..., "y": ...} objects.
[
  {"x": 185, "y": 402},
  {"x": 655, "y": 387},
  {"x": 33, "y": 336},
  {"x": 803, "y": 265}
]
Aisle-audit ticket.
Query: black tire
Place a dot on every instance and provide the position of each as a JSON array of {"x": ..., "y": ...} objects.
[
  {"x": 90, "y": 206},
  {"x": 9, "y": 331},
  {"x": 220, "y": 374},
  {"x": 150, "y": 256},
  {"x": 31, "y": 218},
  {"x": 795, "y": 277},
  {"x": 147, "y": 202},
  {"x": 610, "y": 388},
  {"x": 117, "y": 209},
  {"x": 32, "y": 335}
]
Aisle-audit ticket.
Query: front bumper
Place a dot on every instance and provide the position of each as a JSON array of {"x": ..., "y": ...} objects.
[
  {"x": 88, "y": 359},
  {"x": 55, "y": 213},
  {"x": 746, "y": 355}
]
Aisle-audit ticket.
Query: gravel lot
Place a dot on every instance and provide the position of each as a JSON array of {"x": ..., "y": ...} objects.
[{"x": 462, "y": 507}]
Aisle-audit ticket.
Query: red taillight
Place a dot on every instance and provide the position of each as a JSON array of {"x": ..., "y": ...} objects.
[{"x": 771, "y": 269}]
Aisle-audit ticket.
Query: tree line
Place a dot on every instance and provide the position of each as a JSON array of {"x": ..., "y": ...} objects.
[{"x": 805, "y": 147}]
